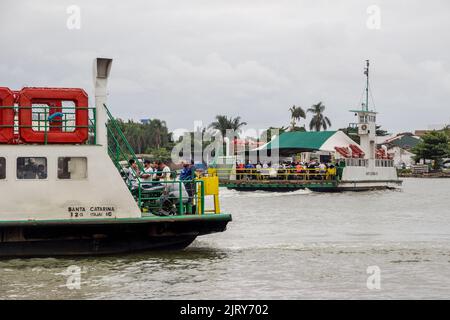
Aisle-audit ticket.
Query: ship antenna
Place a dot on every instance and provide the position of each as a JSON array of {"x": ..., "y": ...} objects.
[{"x": 366, "y": 72}]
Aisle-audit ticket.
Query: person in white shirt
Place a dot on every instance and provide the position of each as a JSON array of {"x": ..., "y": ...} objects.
[
  {"x": 163, "y": 171},
  {"x": 147, "y": 175}
]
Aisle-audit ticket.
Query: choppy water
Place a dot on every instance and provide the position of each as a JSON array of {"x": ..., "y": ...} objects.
[{"x": 299, "y": 245}]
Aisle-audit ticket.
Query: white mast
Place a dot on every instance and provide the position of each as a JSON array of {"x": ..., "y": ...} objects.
[
  {"x": 367, "y": 123},
  {"x": 101, "y": 70}
]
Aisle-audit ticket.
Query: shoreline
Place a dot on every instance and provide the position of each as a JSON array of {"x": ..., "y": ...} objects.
[{"x": 434, "y": 175}]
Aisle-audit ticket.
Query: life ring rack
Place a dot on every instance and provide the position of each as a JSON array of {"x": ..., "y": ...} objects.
[{"x": 53, "y": 98}]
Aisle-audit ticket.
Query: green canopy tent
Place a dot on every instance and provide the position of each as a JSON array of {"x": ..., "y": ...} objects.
[{"x": 290, "y": 143}]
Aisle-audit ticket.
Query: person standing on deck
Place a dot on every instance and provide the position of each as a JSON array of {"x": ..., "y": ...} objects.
[
  {"x": 187, "y": 175},
  {"x": 133, "y": 173},
  {"x": 322, "y": 170},
  {"x": 249, "y": 169}
]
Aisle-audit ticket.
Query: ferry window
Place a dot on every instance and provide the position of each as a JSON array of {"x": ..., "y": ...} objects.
[
  {"x": 31, "y": 168},
  {"x": 2, "y": 168},
  {"x": 74, "y": 168}
]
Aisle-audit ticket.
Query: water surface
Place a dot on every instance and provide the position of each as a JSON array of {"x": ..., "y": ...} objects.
[{"x": 298, "y": 245}]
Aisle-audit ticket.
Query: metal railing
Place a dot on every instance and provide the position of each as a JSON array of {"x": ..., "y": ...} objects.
[
  {"x": 161, "y": 195},
  {"x": 174, "y": 197},
  {"x": 279, "y": 174},
  {"x": 46, "y": 119},
  {"x": 119, "y": 148}
]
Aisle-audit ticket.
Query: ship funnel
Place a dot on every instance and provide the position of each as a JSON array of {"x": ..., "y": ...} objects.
[{"x": 101, "y": 69}]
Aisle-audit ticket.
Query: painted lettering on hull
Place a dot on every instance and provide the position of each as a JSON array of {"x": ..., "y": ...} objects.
[{"x": 91, "y": 211}]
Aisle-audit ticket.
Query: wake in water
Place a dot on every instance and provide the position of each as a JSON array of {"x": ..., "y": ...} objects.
[{"x": 227, "y": 193}]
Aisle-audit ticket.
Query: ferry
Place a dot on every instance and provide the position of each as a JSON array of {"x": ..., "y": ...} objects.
[
  {"x": 64, "y": 188},
  {"x": 356, "y": 167}
]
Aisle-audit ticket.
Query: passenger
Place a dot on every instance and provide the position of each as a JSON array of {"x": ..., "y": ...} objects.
[
  {"x": 30, "y": 169},
  {"x": 165, "y": 171},
  {"x": 249, "y": 165},
  {"x": 147, "y": 175},
  {"x": 298, "y": 169},
  {"x": 322, "y": 170},
  {"x": 240, "y": 168},
  {"x": 41, "y": 172},
  {"x": 133, "y": 173},
  {"x": 331, "y": 171},
  {"x": 187, "y": 175},
  {"x": 249, "y": 169}
]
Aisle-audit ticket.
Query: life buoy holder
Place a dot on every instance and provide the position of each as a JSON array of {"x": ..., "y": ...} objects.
[
  {"x": 54, "y": 98},
  {"x": 6, "y": 115}
]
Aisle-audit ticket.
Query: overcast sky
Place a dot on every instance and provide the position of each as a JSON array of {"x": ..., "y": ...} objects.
[{"x": 182, "y": 61}]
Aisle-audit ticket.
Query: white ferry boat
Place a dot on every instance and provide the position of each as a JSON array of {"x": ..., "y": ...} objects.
[
  {"x": 358, "y": 167},
  {"x": 63, "y": 188}
]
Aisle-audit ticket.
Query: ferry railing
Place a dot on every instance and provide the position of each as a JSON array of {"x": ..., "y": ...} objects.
[
  {"x": 48, "y": 118},
  {"x": 119, "y": 148},
  {"x": 170, "y": 197},
  {"x": 155, "y": 196},
  {"x": 285, "y": 174}
]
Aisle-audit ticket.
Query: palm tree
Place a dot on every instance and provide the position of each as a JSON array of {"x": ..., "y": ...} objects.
[
  {"x": 296, "y": 114},
  {"x": 159, "y": 129},
  {"x": 318, "y": 121},
  {"x": 223, "y": 123},
  {"x": 236, "y": 124}
]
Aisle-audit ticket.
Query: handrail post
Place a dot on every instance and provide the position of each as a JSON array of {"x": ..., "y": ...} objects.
[
  {"x": 180, "y": 209},
  {"x": 139, "y": 193}
]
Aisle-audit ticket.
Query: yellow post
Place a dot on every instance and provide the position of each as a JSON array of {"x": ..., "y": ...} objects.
[
  {"x": 211, "y": 188},
  {"x": 199, "y": 199}
]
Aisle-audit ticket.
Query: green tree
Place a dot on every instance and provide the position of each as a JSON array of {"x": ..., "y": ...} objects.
[
  {"x": 223, "y": 123},
  {"x": 161, "y": 154},
  {"x": 318, "y": 120},
  {"x": 142, "y": 137},
  {"x": 267, "y": 135},
  {"x": 434, "y": 146},
  {"x": 297, "y": 113},
  {"x": 352, "y": 132},
  {"x": 381, "y": 132}
]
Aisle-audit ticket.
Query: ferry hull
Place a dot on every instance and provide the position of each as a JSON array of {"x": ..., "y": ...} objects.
[
  {"x": 43, "y": 239},
  {"x": 342, "y": 186}
]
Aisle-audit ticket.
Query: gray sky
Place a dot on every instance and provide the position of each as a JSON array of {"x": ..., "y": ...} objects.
[{"x": 182, "y": 61}]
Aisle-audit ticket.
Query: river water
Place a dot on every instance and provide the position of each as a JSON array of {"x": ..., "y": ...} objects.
[{"x": 298, "y": 245}]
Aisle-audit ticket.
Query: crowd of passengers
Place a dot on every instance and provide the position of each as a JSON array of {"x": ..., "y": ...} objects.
[
  {"x": 157, "y": 171},
  {"x": 157, "y": 176},
  {"x": 287, "y": 170}
]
